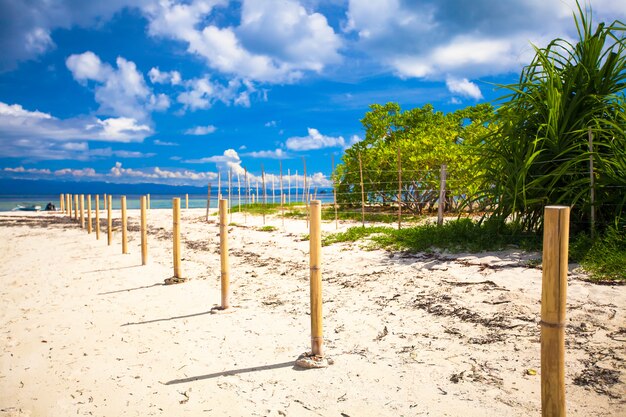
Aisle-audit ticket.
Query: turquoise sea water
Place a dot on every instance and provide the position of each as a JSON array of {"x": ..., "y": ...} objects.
[{"x": 161, "y": 201}]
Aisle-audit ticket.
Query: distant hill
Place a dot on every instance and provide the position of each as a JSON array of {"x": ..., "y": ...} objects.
[{"x": 10, "y": 186}]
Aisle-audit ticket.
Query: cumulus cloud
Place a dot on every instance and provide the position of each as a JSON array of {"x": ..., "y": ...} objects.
[
  {"x": 201, "y": 130},
  {"x": 22, "y": 170},
  {"x": 164, "y": 143},
  {"x": 226, "y": 162},
  {"x": 450, "y": 38},
  {"x": 314, "y": 140},
  {"x": 463, "y": 87},
  {"x": 25, "y": 32},
  {"x": 120, "y": 91},
  {"x": 164, "y": 77},
  {"x": 203, "y": 93},
  {"x": 39, "y": 136},
  {"x": 275, "y": 42},
  {"x": 275, "y": 154}
]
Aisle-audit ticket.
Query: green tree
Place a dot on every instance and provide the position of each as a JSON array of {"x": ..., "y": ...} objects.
[{"x": 425, "y": 139}]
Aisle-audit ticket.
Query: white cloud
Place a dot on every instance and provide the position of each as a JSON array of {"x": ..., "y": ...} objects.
[
  {"x": 275, "y": 154},
  {"x": 275, "y": 42},
  {"x": 228, "y": 160},
  {"x": 84, "y": 172},
  {"x": 201, "y": 130},
  {"x": 164, "y": 77},
  {"x": 314, "y": 140},
  {"x": 120, "y": 92},
  {"x": 21, "y": 170},
  {"x": 164, "y": 143},
  {"x": 202, "y": 93},
  {"x": 463, "y": 87},
  {"x": 450, "y": 38},
  {"x": 40, "y": 136},
  {"x": 271, "y": 123},
  {"x": 87, "y": 66}
]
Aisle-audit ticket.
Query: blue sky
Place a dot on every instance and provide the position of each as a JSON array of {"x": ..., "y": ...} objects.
[{"x": 170, "y": 91}]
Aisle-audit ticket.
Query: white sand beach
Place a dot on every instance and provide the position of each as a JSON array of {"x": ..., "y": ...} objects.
[{"x": 87, "y": 330}]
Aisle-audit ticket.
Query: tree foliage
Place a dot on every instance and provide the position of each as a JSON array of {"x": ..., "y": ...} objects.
[
  {"x": 423, "y": 139},
  {"x": 539, "y": 154}
]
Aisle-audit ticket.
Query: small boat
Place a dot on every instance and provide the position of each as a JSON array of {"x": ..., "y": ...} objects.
[{"x": 32, "y": 207}]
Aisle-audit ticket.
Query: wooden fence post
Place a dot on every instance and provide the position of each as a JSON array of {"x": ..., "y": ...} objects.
[
  {"x": 144, "y": 231},
  {"x": 148, "y": 201},
  {"x": 124, "y": 225},
  {"x": 176, "y": 233},
  {"x": 553, "y": 303},
  {"x": 109, "y": 220},
  {"x": 82, "y": 211},
  {"x": 399, "y": 190},
  {"x": 315, "y": 240},
  {"x": 76, "y": 207},
  {"x": 362, "y": 192},
  {"x": 186, "y": 201},
  {"x": 97, "y": 217},
  {"x": 68, "y": 205},
  {"x": 442, "y": 195},
  {"x": 62, "y": 203},
  {"x": 225, "y": 267},
  {"x": 332, "y": 163},
  {"x": 89, "y": 213},
  {"x": 592, "y": 186},
  {"x": 208, "y": 201}
]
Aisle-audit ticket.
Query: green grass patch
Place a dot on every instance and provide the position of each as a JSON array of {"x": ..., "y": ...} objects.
[
  {"x": 454, "y": 236},
  {"x": 267, "y": 228},
  {"x": 604, "y": 258},
  {"x": 370, "y": 216},
  {"x": 260, "y": 208},
  {"x": 353, "y": 234}
]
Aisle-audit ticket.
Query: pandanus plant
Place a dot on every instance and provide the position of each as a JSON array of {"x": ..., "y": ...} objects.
[{"x": 540, "y": 154}]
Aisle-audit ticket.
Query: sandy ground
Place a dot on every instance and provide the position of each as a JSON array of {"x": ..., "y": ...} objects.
[{"x": 87, "y": 330}]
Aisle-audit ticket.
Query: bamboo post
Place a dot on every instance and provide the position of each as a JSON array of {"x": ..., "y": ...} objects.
[
  {"x": 219, "y": 186},
  {"x": 315, "y": 239},
  {"x": 176, "y": 233},
  {"x": 362, "y": 192},
  {"x": 399, "y": 189},
  {"x": 332, "y": 163},
  {"x": 109, "y": 220},
  {"x": 68, "y": 205},
  {"x": 225, "y": 268},
  {"x": 282, "y": 196},
  {"x": 592, "y": 186},
  {"x": 553, "y": 303},
  {"x": 230, "y": 196},
  {"x": 76, "y": 207},
  {"x": 82, "y": 211},
  {"x": 296, "y": 186},
  {"x": 62, "y": 203},
  {"x": 208, "y": 201},
  {"x": 442, "y": 195},
  {"x": 106, "y": 201},
  {"x": 186, "y": 201},
  {"x": 89, "y": 213},
  {"x": 238, "y": 192},
  {"x": 124, "y": 225},
  {"x": 247, "y": 185},
  {"x": 264, "y": 194},
  {"x": 97, "y": 217},
  {"x": 144, "y": 231}
]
